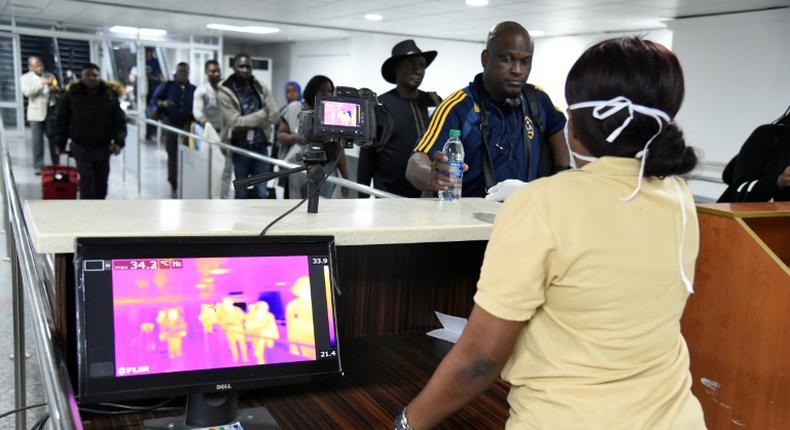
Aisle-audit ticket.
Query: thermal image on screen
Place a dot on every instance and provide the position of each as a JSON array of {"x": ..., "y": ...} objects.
[
  {"x": 177, "y": 315},
  {"x": 342, "y": 114}
]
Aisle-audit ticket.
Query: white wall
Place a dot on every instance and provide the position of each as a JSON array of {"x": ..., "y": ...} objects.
[
  {"x": 356, "y": 61},
  {"x": 737, "y": 72},
  {"x": 554, "y": 57}
]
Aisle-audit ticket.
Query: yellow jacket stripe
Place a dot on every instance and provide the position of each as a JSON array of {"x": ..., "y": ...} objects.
[{"x": 438, "y": 119}]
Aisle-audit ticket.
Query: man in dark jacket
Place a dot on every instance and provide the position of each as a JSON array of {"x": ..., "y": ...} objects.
[
  {"x": 172, "y": 101},
  {"x": 410, "y": 109},
  {"x": 90, "y": 115}
]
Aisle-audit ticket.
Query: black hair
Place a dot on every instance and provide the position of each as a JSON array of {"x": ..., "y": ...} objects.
[
  {"x": 241, "y": 55},
  {"x": 210, "y": 63},
  {"x": 91, "y": 66},
  {"x": 312, "y": 88},
  {"x": 182, "y": 64},
  {"x": 648, "y": 74}
]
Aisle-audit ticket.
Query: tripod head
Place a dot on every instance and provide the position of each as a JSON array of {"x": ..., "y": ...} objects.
[{"x": 314, "y": 163}]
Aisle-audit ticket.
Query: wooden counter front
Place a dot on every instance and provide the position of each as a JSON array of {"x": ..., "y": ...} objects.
[{"x": 737, "y": 323}]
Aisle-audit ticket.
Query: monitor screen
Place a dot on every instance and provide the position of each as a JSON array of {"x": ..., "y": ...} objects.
[
  {"x": 161, "y": 315},
  {"x": 343, "y": 114}
]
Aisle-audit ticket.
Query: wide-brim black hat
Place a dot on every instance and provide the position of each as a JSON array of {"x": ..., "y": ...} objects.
[{"x": 401, "y": 50}]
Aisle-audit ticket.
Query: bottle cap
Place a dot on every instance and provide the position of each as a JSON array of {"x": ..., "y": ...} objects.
[{"x": 455, "y": 133}]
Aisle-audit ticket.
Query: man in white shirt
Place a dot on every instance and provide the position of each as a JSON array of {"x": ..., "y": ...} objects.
[
  {"x": 35, "y": 86},
  {"x": 206, "y": 110}
]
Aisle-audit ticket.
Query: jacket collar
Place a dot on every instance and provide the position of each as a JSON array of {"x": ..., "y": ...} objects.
[
  {"x": 232, "y": 78},
  {"x": 81, "y": 88}
]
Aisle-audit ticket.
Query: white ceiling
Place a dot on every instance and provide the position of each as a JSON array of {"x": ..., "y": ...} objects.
[{"x": 326, "y": 19}]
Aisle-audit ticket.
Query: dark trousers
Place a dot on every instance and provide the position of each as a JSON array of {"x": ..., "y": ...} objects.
[
  {"x": 171, "y": 146},
  {"x": 93, "y": 164},
  {"x": 244, "y": 167},
  {"x": 52, "y": 154},
  {"x": 37, "y": 137}
]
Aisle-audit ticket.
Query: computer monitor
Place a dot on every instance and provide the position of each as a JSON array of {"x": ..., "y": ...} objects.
[{"x": 203, "y": 315}]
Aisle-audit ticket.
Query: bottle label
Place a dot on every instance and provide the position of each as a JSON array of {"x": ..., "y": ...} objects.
[{"x": 458, "y": 170}]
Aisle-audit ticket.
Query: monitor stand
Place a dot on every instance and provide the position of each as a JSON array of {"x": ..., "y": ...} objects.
[{"x": 214, "y": 410}]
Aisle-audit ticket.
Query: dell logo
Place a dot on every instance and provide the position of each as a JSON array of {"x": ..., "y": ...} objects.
[{"x": 221, "y": 387}]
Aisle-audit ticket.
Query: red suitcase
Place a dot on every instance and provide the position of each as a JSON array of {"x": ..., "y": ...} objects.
[{"x": 59, "y": 182}]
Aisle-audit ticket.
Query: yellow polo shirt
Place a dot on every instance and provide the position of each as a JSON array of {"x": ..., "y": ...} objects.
[{"x": 599, "y": 281}]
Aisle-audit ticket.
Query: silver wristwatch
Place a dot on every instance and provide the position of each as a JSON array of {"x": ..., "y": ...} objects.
[{"x": 401, "y": 423}]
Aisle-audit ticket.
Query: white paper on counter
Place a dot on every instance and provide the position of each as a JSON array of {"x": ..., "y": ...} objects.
[{"x": 452, "y": 327}]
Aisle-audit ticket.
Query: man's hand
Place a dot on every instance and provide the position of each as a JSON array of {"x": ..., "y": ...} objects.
[
  {"x": 115, "y": 149},
  {"x": 784, "y": 179},
  {"x": 47, "y": 81},
  {"x": 344, "y": 192},
  {"x": 165, "y": 104},
  {"x": 440, "y": 173}
]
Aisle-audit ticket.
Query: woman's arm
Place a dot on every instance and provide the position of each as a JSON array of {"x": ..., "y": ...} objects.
[
  {"x": 470, "y": 367},
  {"x": 284, "y": 135}
]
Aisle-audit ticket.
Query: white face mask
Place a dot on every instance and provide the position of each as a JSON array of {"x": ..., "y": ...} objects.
[
  {"x": 603, "y": 109},
  {"x": 574, "y": 155}
]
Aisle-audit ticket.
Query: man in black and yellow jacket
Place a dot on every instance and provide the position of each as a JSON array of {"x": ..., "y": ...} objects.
[{"x": 509, "y": 129}]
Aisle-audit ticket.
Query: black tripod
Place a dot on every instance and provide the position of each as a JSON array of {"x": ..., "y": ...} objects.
[{"x": 314, "y": 160}]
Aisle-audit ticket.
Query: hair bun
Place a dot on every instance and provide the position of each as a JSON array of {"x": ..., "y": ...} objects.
[{"x": 669, "y": 155}]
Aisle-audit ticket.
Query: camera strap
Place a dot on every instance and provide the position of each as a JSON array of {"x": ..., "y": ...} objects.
[
  {"x": 530, "y": 109},
  {"x": 488, "y": 165}
]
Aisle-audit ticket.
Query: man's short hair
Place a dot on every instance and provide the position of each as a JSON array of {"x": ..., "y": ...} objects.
[
  {"x": 210, "y": 63},
  {"x": 241, "y": 55},
  {"x": 182, "y": 64},
  {"x": 90, "y": 66}
]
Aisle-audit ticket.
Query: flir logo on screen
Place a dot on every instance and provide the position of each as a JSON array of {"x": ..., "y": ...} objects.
[{"x": 133, "y": 370}]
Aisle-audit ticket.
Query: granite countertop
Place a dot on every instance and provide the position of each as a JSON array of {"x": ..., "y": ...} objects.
[{"x": 54, "y": 224}]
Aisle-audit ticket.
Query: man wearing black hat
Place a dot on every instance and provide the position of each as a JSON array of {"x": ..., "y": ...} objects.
[{"x": 409, "y": 108}]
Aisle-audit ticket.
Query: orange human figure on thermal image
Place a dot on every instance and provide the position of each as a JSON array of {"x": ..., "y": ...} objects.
[
  {"x": 231, "y": 319},
  {"x": 299, "y": 320},
  {"x": 172, "y": 329},
  {"x": 261, "y": 330}
]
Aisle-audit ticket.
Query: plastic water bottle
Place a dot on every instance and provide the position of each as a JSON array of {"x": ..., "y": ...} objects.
[{"x": 454, "y": 150}]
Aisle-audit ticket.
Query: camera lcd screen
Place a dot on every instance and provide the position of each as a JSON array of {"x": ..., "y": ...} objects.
[{"x": 341, "y": 114}]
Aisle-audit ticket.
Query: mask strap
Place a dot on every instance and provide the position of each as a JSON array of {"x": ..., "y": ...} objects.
[
  {"x": 684, "y": 221},
  {"x": 589, "y": 158},
  {"x": 603, "y": 109}
]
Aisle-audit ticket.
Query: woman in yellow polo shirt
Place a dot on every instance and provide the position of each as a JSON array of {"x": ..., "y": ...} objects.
[{"x": 587, "y": 272}]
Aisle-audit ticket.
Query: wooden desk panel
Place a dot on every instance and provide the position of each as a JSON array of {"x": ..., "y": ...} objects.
[
  {"x": 775, "y": 233},
  {"x": 735, "y": 325},
  {"x": 383, "y": 374}
]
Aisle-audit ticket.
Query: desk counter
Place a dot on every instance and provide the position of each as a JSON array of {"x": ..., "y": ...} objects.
[{"x": 55, "y": 224}]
